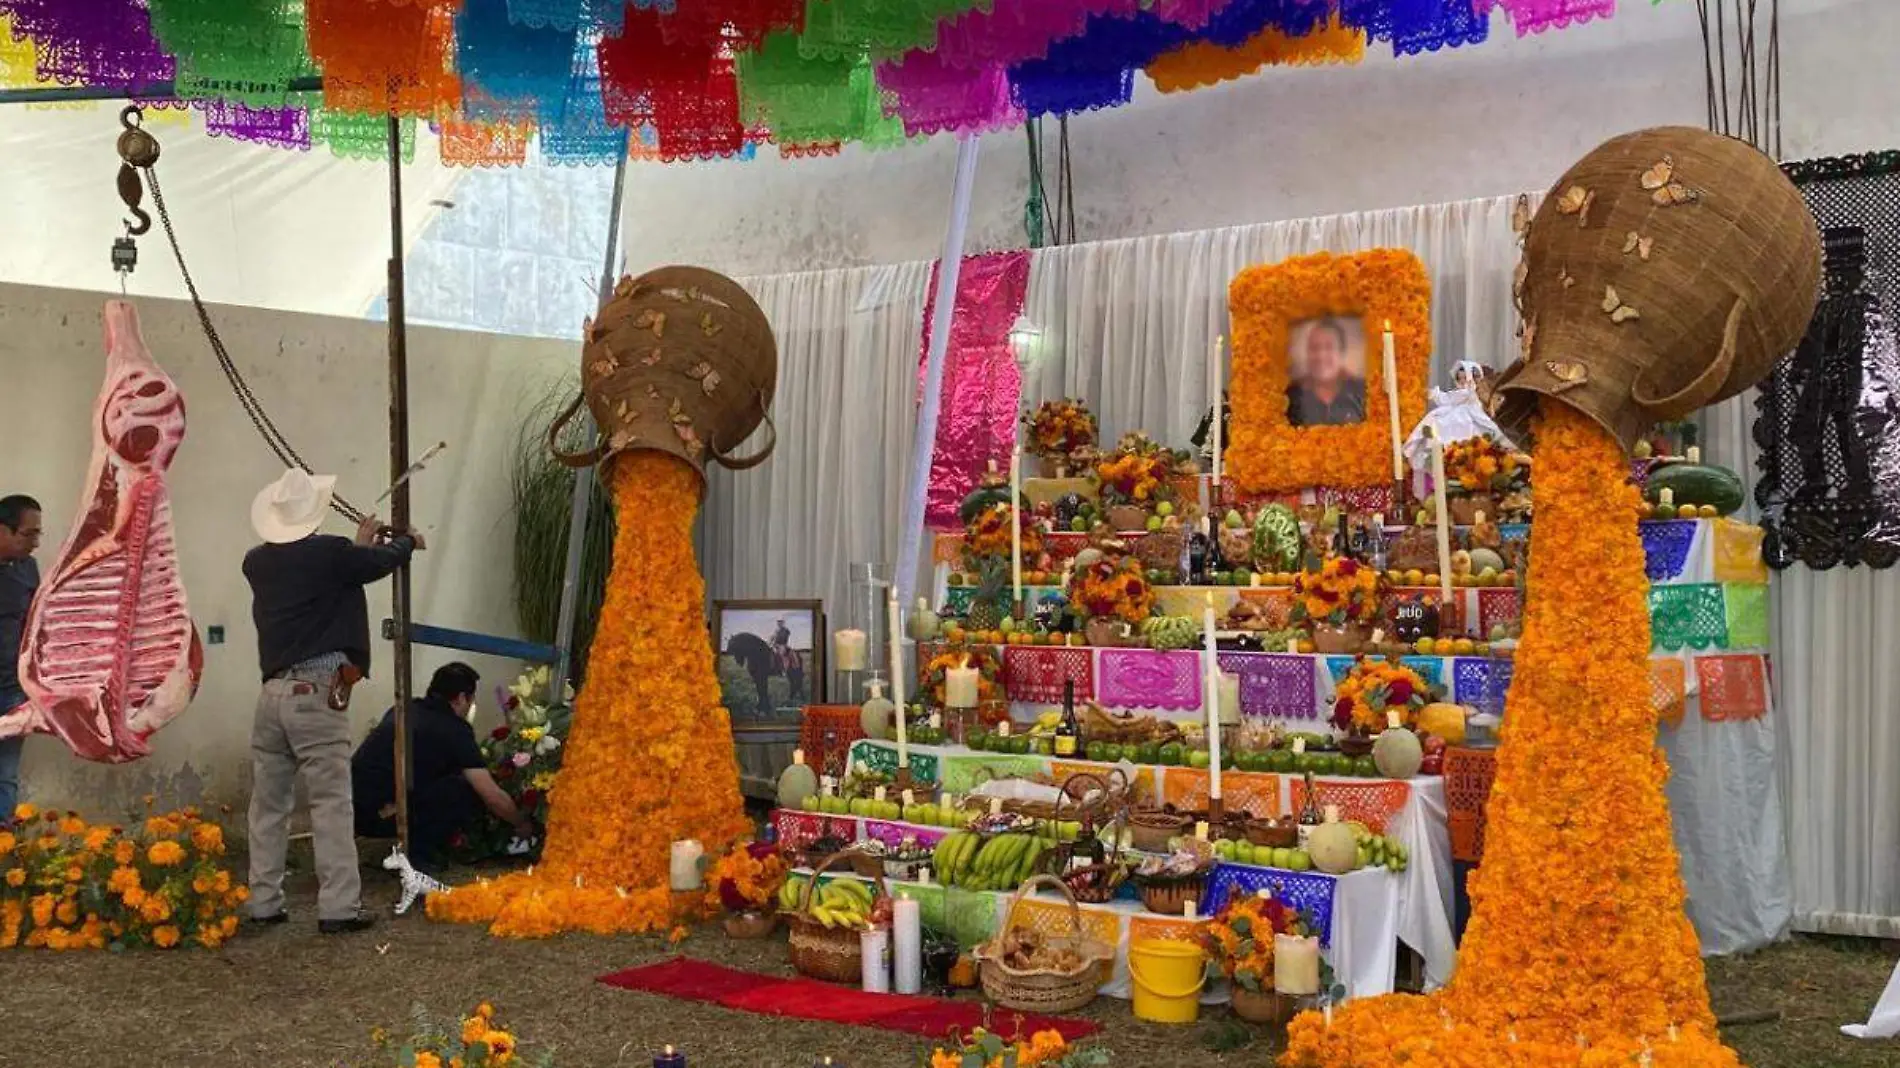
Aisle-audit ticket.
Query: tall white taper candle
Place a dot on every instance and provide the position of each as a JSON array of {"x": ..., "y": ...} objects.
[
  {"x": 1392, "y": 403},
  {"x": 1444, "y": 519},
  {"x": 897, "y": 682},
  {"x": 1015, "y": 526},
  {"x": 1210, "y": 699}
]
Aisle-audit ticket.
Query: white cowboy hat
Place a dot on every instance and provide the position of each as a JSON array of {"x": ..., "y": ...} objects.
[{"x": 292, "y": 508}]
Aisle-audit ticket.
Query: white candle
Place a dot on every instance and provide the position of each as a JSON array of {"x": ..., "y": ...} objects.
[
  {"x": 1219, "y": 373},
  {"x": 960, "y": 686},
  {"x": 1210, "y": 700},
  {"x": 907, "y": 932},
  {"x": 897, "y": 680},
  {"x": 683, "y": 869},
  {"x": 874, "y": 953},
  {"x": 1392, "y": 402},
  {"x": 849, "y": 650},
  {"x": 1295, "y": 965},
  {"x": 1444, "y": 520},
  {"x": 1229, "y": 699},
  {"x": 1015, "y": 526}
]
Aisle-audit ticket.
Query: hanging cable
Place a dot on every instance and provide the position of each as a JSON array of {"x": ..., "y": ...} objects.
[{"x": 1034, "y": 209}]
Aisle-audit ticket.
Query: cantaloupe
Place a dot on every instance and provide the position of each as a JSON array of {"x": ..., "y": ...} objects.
[
  {"x": 1333, "y": 848},
  {"x": 1443, "y": 721},
  {"x": 1397, "y": 753},
  {"x": 874, "y": 716},
  {"x": 1483, "y": 560},
  {"x": 796, "y": 783}
]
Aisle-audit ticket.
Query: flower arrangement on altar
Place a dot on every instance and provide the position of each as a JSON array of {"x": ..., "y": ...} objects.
[
  {"x": 988, "y": 536},
  {"x": 1373, "y": 689},
  {"x": 1061, "y": 430},
  {"x": 1239, "y": 941},
  {"x": 1480, "y": 465},
  {"x": 1139, "y": 472},
  {"x": 983, "y": 1049},
  {"x": 1342, "y": 592},
  {"x": 478, "y": 1040},
  {"x": 67, "y": 884},
  {"x": 746, "y": 879},
  {"x": 936, "y": 674},
  {"x": 524, "y": 755},
  {"x": 1110, "y": 587}
]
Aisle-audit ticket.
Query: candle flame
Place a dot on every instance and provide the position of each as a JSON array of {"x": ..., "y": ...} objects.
[
  {"x": 1388, "y": 326},
  {"x": 669, "y": 1051}
]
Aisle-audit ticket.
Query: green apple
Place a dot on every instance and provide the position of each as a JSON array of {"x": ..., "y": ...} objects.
[
  {"x": 811, "y": 803},
  {"x": 1079, "y": 525},
  {"x": 1172, "y": 754},
  {"x": 1069, "y": 830},
  {"x": 1164, "y": 508},
  {"x": 1198, "y": 758},
  {"x": 1008, "y": 625},
  {"x": 1224, "y": 849},
  {"x": 1233, "y": 521},
  {"x": 1154, "y": 523},
  {"x": 1299, "y": 861}
]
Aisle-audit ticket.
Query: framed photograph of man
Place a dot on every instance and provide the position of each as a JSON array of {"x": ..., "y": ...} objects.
[
  {"x": 1308, "y": 393},
  {"x": 771, "y": 659}
]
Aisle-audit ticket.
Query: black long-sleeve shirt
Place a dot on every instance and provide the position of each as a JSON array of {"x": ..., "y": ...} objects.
[
  {"x": 18, "y": 579},
  {"x": 307, "y": 597}
]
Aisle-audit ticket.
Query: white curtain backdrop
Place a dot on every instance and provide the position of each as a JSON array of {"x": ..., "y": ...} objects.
[{"x": 1127, "y": 324}]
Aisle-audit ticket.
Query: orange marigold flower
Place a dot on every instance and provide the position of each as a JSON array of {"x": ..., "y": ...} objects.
[
  {"x": 16, "y": 877},
  {"x": 165, "y": 854},
  {"x": 208, "y": 838},
  {"x": 23, "y": 812},
  {"x": 124, "y": 851},
  {"x": 165, "y": 937}
]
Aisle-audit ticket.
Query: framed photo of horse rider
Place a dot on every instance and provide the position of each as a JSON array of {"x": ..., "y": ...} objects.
[{"x": 770, "y": 657}]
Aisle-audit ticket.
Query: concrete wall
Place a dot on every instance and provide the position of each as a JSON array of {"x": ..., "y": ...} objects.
[
  {"x": 324, "y": 382},
  {"x": 1495, "y": 119}
]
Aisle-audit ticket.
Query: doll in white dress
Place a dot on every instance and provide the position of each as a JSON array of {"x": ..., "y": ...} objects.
[{"x": 1456, "y": 414}]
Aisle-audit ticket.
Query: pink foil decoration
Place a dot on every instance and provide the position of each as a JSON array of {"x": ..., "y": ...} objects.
[
  {"x": 1149, "y": 678},
  {"x": 932, "y": 98},
  {"x": 981, "y": 382},
  {"x": 1536, "y": 16}
]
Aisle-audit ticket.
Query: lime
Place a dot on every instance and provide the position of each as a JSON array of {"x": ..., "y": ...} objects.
[
  {"x": 1147, "y": 753},
  {"x": 1280, "y": 760},
  {"x": 1171, "y": 754}
]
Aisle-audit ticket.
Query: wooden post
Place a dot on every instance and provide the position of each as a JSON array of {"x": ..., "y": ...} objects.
[{"x": 399, "y": 517}]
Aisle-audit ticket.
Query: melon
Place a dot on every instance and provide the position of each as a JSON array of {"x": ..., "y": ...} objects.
[
  {"x": 1443, "y": 721},
  {"x": 1397, "y": 753},
  {"x": 1333, "y": 848},
  {"x": 1696, "y": 484},
  {"x": 796, "y": 783},
  {"x": 924, "y": 623},
  {"x": 1483, "y": 560},
  {"x": 874, "y": 716}
]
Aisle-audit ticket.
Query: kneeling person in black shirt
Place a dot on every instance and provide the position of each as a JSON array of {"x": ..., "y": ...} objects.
[{"x": 449, "y": 783}]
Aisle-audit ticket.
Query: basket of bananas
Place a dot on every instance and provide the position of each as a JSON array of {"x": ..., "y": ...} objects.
[{"x": 827, "y": 919}]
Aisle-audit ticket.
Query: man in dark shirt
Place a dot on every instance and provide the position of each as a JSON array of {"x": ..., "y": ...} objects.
[
  {"x": 312, "y": 623},
  {"x": 19, "y": 578},
  {"x": 449, "y": 783},
  {"x": 1325, "y": 391}
]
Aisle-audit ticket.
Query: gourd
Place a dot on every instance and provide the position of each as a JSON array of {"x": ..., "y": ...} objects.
[
  {"x": 1397, "y": 753},
  {"x": 797, "y": 782},
  {"x": 1443, "y": 721},
  {"x": 1334, "y": 848},
  {"x": 874, "y": 716},
  {"x": 1483, "y": 560},
  {"x": 1696, "y": 484},
  {"x": 924, "y": 623}
]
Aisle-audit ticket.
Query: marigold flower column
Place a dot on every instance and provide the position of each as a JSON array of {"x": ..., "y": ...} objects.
[{"x": 679, "y": 363}]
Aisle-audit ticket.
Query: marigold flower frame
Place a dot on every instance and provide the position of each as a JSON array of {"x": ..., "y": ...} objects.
[{"x": 1267, "y": 454}]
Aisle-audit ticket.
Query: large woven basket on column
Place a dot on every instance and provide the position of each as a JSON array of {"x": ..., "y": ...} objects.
[{"x": 1668, "y": 270}]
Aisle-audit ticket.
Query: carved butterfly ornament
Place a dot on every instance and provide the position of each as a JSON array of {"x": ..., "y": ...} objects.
[
  {"x": 1663, "y": 188},
  {"x": 1568, "y": 375},
  {"x": 1638, "y": 244},
  {"x": 1577, "y": 201},
  {"x": 1619, "y": 312}
]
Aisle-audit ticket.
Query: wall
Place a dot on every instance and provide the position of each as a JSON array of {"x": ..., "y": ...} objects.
[
  {"x": 1496, "y": 119},
  {"x": 324, "y": 382}
]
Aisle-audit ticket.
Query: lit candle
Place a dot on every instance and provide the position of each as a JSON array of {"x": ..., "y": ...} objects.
[
  {"x": 1444, "y": 520},
  {"x": 897, "y": 679},
  {"x": 669, "y": 1058},
  {"x": 1295, "y": 965},
  {"x": 1015, "y": 526},
  {"x": 960, "y": 686},
  {"x": 1392, "y": 402},
  {"x": 850, "y": 650},
  {"x": 683, "y": 872},
  {"x": 1210, "y": 700},
  {"x": 1215, "y": 431}
]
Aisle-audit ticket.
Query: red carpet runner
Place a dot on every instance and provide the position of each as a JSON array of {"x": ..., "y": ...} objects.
[{"x": 809, "y": 999}]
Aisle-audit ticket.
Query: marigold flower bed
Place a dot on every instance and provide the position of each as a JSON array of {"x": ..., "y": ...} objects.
[
  {"x": 649, "y": 757},
  {"x": 1579, "y": 951}
]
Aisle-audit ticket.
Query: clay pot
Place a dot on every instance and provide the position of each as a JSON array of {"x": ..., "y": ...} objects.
[
  {"x": 1127, "y": 517},
  {"x": 1106, "y": 632},
  {"x": 1465, "y": 508},
  {"x": 1335, "y": 641},
  {"x": 1264, "y": 1007},
  {"x": 749, "y": 926}
]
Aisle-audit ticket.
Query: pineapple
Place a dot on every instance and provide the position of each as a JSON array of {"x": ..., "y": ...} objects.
[{"x": 991, "y": 602}]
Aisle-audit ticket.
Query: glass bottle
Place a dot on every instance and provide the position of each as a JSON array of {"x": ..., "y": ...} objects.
[
  {"x": 1309, "y": 812},
  {"x": 1068, "y": 741}
]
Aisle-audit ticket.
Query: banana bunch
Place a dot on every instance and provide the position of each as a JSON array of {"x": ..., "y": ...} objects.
[
  {"x": 838, "y": 903},
  {"x": 791, "y": 892},
  {"x": 1171, "y": 632},
  {"x": 1379, "y": 850},
  {"x": 972, "y": 862}
]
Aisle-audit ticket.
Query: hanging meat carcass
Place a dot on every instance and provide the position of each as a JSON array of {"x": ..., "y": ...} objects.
[{"x": 109, "y": 654}]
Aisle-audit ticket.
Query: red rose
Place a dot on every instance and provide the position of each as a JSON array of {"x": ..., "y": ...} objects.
[
  {"x": 530, "y": 798},
  {"x": 1342, "y": 713},
  {"x": 498, "y": 733},
  {"x": 1399, "y": 692},
  {"x": 1348, "y": 568}
]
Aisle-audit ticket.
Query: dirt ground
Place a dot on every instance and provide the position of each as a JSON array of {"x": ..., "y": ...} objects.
[{"x": 288, "y": 998}]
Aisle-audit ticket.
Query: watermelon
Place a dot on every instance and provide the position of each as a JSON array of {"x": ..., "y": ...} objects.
[
  {"x": 985, "y": 495},
  {"x": 1696, "y": 484}
]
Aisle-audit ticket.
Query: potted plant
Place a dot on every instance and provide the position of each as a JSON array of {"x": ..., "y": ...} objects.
[
  {"x": 1373, "y": 689},
  {"x": 1111, "y": 596}
]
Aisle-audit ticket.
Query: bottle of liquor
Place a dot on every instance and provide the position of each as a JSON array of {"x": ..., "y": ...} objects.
[
  {"x": 1216, "y": 560},
  {"x": 1309, "y": 812},
  {"x": 1376, "y": 556},
  {"x": 1198, "y": 545},
  {"x": 1068, "y": 731}
]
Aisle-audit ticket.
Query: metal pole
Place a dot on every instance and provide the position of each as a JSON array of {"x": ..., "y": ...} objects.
[
  {"x": 154, "y": 92},
  {"x": 399, "y": 517},
  {"x": 583, "y": 499},
  {"x": 923, "y": 448}
]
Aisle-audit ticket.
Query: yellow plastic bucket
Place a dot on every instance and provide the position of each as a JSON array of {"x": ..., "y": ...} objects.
[{"x": 1168, "y": 977}]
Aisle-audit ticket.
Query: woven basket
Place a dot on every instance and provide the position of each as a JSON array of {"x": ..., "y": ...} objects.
[
  {"x": 1704, "y": 238},
  {"x": 833, "y": 954},
  {"x": 1045, "y": 991},
  {"x": 1091, "y": 884}
]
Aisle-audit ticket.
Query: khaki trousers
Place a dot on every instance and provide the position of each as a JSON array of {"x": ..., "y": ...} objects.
[{"x": 296, "y": 731}]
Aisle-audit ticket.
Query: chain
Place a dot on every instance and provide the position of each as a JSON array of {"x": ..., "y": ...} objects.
[{"x": 272, "y": 436}]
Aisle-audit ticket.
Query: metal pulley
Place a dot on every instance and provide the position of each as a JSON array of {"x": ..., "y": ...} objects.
[{"x": 139, "y": 151}]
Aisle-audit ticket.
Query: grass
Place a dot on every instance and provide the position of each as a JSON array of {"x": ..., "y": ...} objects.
[{"x": 291, "y": 999}]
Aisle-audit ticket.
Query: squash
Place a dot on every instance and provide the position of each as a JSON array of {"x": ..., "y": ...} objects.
[
  {"x": 1696, "y": 484},
  {"x": 1397, "y": 753},
  {"x": 1443, "y": 721},
  {"x": 796, "y": 783},
  {"x": 1334, "y": 848},
  {"x": 963, "y": 973}
]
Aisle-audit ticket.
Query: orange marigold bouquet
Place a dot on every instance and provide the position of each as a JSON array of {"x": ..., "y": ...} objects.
[
  {"x": 1579, "y": 953},
  {"x": 1139, "y": 471},
  {"x": 746, "y": 879},
  {"x": 649, "y": 757},
  {"x": 1480, "y": 465},
  {"x": 1059, "y": 429},
  {"x": 1342, "y": 591},
  {"x": 987, "y": 536},
  {"x": 478, "y": 1040},
  {"x": 68, "y": 884},
  {"x": 982, "y": 1049},
  {"x": 989, "y": 680},
  {"x": 1364, "y": 699},
  {"x": 1239, "y": 941},
  {"x": 1112, "y": 587}
]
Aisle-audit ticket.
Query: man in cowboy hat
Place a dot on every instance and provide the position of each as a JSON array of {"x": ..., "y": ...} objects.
[{"x": 312, "y": 642}]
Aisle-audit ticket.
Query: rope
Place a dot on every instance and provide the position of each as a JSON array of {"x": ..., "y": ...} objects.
[{"x": 266, "y": 429}]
